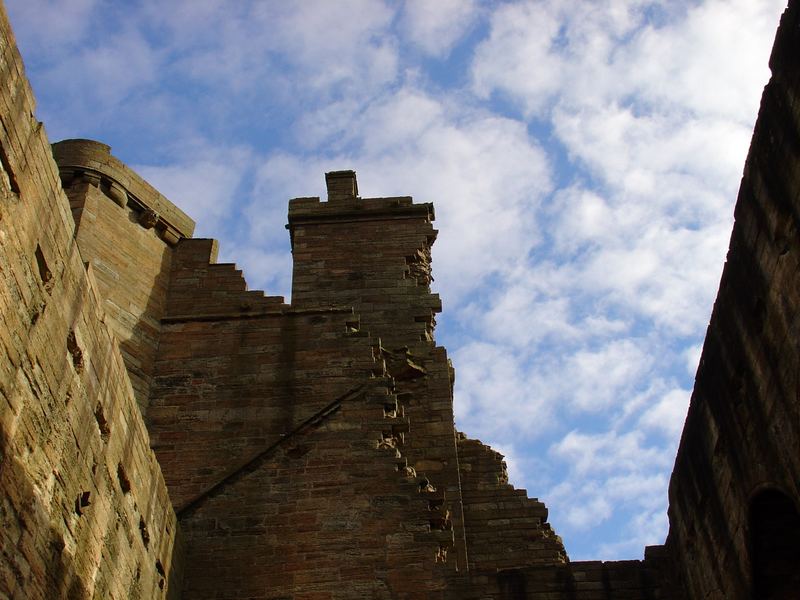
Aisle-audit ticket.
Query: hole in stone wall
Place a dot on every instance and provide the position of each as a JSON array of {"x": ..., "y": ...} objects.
[
  {"x": 405, "y": 398},
  {"x": 162, "y": 575},
  {"x": 75, "y": 350},
  {"x": 426, "y": 486},
  {"x": 9, "y": 176},
  {"x": 512, "y": 585},
  {"x": 102, "y": 424},
  {"x": 298, "y": 451},
  {"x": 759, "y": 309},
  {"x": 122, "y": 477},
  {"x": 36, "y": 312},
  {"x": 81, "y": 502},
  {"x": 144, "y": 532},
  {"x": 775, "y": 546},
  {"x": 44, "y": 271}
]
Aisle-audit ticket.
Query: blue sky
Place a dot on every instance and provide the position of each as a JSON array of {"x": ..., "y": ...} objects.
[{"x": 583, "y": 157}]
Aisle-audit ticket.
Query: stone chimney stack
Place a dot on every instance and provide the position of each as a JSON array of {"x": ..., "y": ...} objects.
[{"x": 342, "y": 185}]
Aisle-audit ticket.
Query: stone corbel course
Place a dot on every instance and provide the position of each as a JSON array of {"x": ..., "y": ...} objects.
[{"x": 92, "y": 162}]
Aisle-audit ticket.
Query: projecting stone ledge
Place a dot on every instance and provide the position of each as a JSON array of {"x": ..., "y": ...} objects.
[{"x": 89, "y": 161}]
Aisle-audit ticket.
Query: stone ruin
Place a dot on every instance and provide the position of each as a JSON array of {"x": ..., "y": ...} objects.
[{"x": 166, "y": 433}]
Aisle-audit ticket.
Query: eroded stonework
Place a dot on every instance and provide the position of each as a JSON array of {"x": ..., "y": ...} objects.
[{"x": 165, "y": 432}]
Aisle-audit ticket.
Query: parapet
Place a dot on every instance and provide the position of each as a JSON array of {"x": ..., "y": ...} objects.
[{"x": 92, "y": 162}]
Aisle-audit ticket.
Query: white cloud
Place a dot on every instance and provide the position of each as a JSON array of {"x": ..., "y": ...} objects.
[
  {"x": 667, "y": 414},
  {"x": 607, "y": 452},
  {"x": 98, "y": 78},
  {"x": 610, "y": 473},
  {"x": 249, "y": 46},
  {"x": 595, "y": 509},
  {"x": 326, "y": 41},
  {"x": 692, "y": 357},
  {"x": 711, "y": 63},
  {"x": 204, "y": 184},
  {"x": 496, "y": 398},
  {"x": 516, "y": 59},
  {"x": 486, "y": 178},
  {"x": 437, "y": 26},
  {"x": 708, "y": 58},
  {"x": 523, "y": 316},
  {"x": 601, "y": 378},
  {"x": 270, "y": 269},
  {"x": 51, "y": 25}
]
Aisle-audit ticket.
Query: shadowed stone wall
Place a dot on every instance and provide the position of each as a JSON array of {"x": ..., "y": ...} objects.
[
  {"x": 126, "y": 237},
  {"x": 742, "y": 434}
]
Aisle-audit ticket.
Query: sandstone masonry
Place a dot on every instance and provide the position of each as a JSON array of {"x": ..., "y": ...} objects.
[{"x": 167, "y": 433}]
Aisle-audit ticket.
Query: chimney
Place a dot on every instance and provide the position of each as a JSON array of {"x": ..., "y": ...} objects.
[{"x": 341, "y": 185}]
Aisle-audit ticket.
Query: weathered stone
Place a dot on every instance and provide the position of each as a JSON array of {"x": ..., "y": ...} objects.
[{"x": 148, "y": 390}]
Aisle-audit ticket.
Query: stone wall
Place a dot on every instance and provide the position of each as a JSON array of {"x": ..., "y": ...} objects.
[
  {"x": 329, "y": 513},
  {"x": 129, "y": 245},
  {"x": 374, "y": 254},
  {"x": 742, "y": 434},
  {"x": 505, "y": 529},
  {"x": 84, "y": 509}
]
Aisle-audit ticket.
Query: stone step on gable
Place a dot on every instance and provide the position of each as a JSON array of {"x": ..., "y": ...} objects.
[
  {"x": 505, "y": 528},
  {"x": 202, "y": 287}
]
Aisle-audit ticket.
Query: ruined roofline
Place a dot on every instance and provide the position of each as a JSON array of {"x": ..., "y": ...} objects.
[
  {"x": 344, "y": 205},
  {"x": 82, "y": 160}
]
